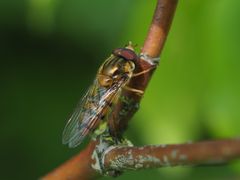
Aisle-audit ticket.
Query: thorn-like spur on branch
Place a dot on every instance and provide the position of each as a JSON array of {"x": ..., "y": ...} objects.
[
  {"x": 149, "y": 58},
  {"x": 152, "y": 156},
  {"x": 159, "y": 28}
]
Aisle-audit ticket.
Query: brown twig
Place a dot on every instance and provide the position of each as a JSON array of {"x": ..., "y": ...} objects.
[
  {"x": 152, "y": 156},
  {"x": 152, "y": 47},
  {"x": 80, "y": 166}
]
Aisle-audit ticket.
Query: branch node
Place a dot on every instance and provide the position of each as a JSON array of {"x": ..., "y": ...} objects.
[
  {"x": 105, "y": 144},
  {"x": 153, "y": 61}
]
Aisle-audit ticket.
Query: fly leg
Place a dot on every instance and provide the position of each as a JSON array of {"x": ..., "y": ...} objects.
[
  {"x": 144, "y": 71},
  {"x": 138, "y": 91}
]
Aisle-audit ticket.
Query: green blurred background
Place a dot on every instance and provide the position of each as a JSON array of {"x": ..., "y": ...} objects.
[{"x": 51, "y": 50}]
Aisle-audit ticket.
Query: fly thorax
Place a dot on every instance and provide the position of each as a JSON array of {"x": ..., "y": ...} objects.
[{"x": 114, "y": 70}]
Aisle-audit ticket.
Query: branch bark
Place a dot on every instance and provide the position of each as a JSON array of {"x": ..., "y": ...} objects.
[
  {"x": 78, "y": 167},
  {"x": 211, "y": 152},
  {"x": 153, "y": 156},
  {"x": 152, "y": 47}
]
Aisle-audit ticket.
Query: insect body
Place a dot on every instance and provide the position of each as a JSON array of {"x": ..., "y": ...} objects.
[{"x": 112, "y": 76}]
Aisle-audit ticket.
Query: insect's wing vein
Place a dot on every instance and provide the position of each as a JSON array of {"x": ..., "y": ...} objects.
[
  {"x": 83, "y": 119},
  {"x": 72, "y": 126}
]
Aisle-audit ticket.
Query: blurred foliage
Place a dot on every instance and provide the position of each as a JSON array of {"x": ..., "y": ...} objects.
[{"x": 51, "y": 50}]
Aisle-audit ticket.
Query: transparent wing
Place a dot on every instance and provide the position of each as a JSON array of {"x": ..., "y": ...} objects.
[
  {"x": 86, "y": 116},
  {"x": 72, "y": 125}
]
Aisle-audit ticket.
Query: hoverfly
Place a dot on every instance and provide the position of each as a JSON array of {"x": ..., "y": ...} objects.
[{"x": 112, "y": 76}]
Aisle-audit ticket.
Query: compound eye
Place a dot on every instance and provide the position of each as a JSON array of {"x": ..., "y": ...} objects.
[{"x": 125, "y": 53}]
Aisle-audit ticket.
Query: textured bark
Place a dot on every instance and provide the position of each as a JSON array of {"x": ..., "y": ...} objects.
[{"x": 152, "y": 156}]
